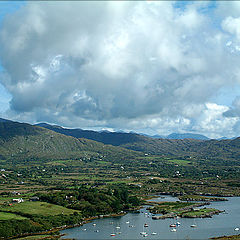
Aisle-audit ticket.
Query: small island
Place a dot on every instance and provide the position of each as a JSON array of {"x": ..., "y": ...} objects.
[{"x": 181, "y": 209}]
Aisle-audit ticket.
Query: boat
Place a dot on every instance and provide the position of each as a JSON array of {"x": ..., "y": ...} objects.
[
  {"x": 172, "y": 225},
  {"x": 145, "y": 225},
  {"x": 96, "y": 230},
  {"x": 94, "y": 224},
  {"x": 236, "y": 229},
  {"x": 178, "y": 223},
  {"x": 154, "y": 233},
  {"x": 127, "y": 222},
  {"x": 113, "y": 234},
  {"x": 144, "y": 234},
  {"x": 173, "y": 230},
  {"x": 84, "y": 229},
  {"x": 118, "y": 227},
  {"x": 193, "y": 225}
]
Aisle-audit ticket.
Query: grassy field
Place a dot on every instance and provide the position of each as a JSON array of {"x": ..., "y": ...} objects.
[
  {"x": 9, "y": 216},
  {"x": 180, "y": 162},
  {"x": 199, "y": 213},
  {"x": 5, "y": 199},
  {"x": 40, "y": 208},
  {"x": 167, "y": 207}
]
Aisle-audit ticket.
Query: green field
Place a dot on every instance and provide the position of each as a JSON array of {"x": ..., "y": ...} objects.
[
  {"x": 199, "y": 213},
  {"x": 168, "y": 207},
  {"x": 180, "y": 162},
  {"x": 40, "y": 208},
  {"x": 9, "y": 216}
]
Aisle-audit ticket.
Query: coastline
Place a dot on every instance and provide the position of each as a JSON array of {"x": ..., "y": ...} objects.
[{"x": 89, "y": 219}]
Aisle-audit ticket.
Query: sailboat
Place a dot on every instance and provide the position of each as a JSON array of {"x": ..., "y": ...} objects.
[
  {"x": 194, "y": 225},
  {"x": 143, "y": 233}
]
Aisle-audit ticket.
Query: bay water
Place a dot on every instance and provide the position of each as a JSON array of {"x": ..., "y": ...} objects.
[{"x": 131, "y": 225}]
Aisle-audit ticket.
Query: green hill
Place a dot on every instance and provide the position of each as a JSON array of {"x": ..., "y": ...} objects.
[
  {"x": 222, "y": 149},
  {"x": 25, "y": 142},
  {"x": 210, "y": 149},
  {"x": 21, "y": 141}
]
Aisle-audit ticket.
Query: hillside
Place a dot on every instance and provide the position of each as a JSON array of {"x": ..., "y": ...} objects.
[
  {"x": 21, "y": 140},
  {"x": 222, "y": 149},
  {"x": 113, "y": 138},
  {"x": 27, "y": 142}
]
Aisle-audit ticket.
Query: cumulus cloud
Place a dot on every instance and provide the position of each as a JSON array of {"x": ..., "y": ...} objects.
[
  {"x": 122, "y": 65},
  {"x": 231, "y": 25}
]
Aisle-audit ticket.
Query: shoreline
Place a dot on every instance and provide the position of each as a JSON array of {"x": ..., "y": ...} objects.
[{"x": 89, "y": 219}]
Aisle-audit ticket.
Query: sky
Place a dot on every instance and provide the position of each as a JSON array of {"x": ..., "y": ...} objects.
[{"x": 152, "y": 67}]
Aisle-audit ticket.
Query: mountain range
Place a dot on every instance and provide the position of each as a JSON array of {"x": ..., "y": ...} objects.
[
  {"x": 108, "y": 137},
  {"x": 22, "y": 140}
]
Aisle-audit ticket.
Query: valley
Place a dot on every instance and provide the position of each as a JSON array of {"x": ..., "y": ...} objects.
[{"x": 80, "y": 173}]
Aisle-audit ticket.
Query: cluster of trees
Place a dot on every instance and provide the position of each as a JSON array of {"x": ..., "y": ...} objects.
[
  {"x": 92, "y": 201},
  {"x": 36, "y": 223}
]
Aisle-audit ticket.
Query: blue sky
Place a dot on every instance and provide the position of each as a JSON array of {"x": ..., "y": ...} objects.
[
  {"x": 155, "y": 67},
  {"x": 6, "y": 8}
]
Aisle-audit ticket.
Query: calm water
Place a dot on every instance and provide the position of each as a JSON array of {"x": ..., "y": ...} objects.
[{"x": 218, "y": 225}]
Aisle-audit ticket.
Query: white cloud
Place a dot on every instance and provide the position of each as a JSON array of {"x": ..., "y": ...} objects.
[
  {"x": 123, "y": 65},
  {"x": 213, "y": 123},
  {"x": 232, "y": 25}
]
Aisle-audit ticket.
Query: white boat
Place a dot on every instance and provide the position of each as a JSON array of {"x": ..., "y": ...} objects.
[
  {"x": 173, "y": 230},
  {"x": 154, "y": 233},
  {"x": 236, "y": 229},
  {"x": 117, "y": 227},
  {"x": 178, "y": 223},
  {"x": 193, "y": 225},
  {"x": 94, "y": 224},
  {"x": 143, "y": 233},
  {"x": 127, "y": 222}
]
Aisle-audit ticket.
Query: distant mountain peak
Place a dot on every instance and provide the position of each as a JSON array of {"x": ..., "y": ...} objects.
[{"x": 187, "y": 135}]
